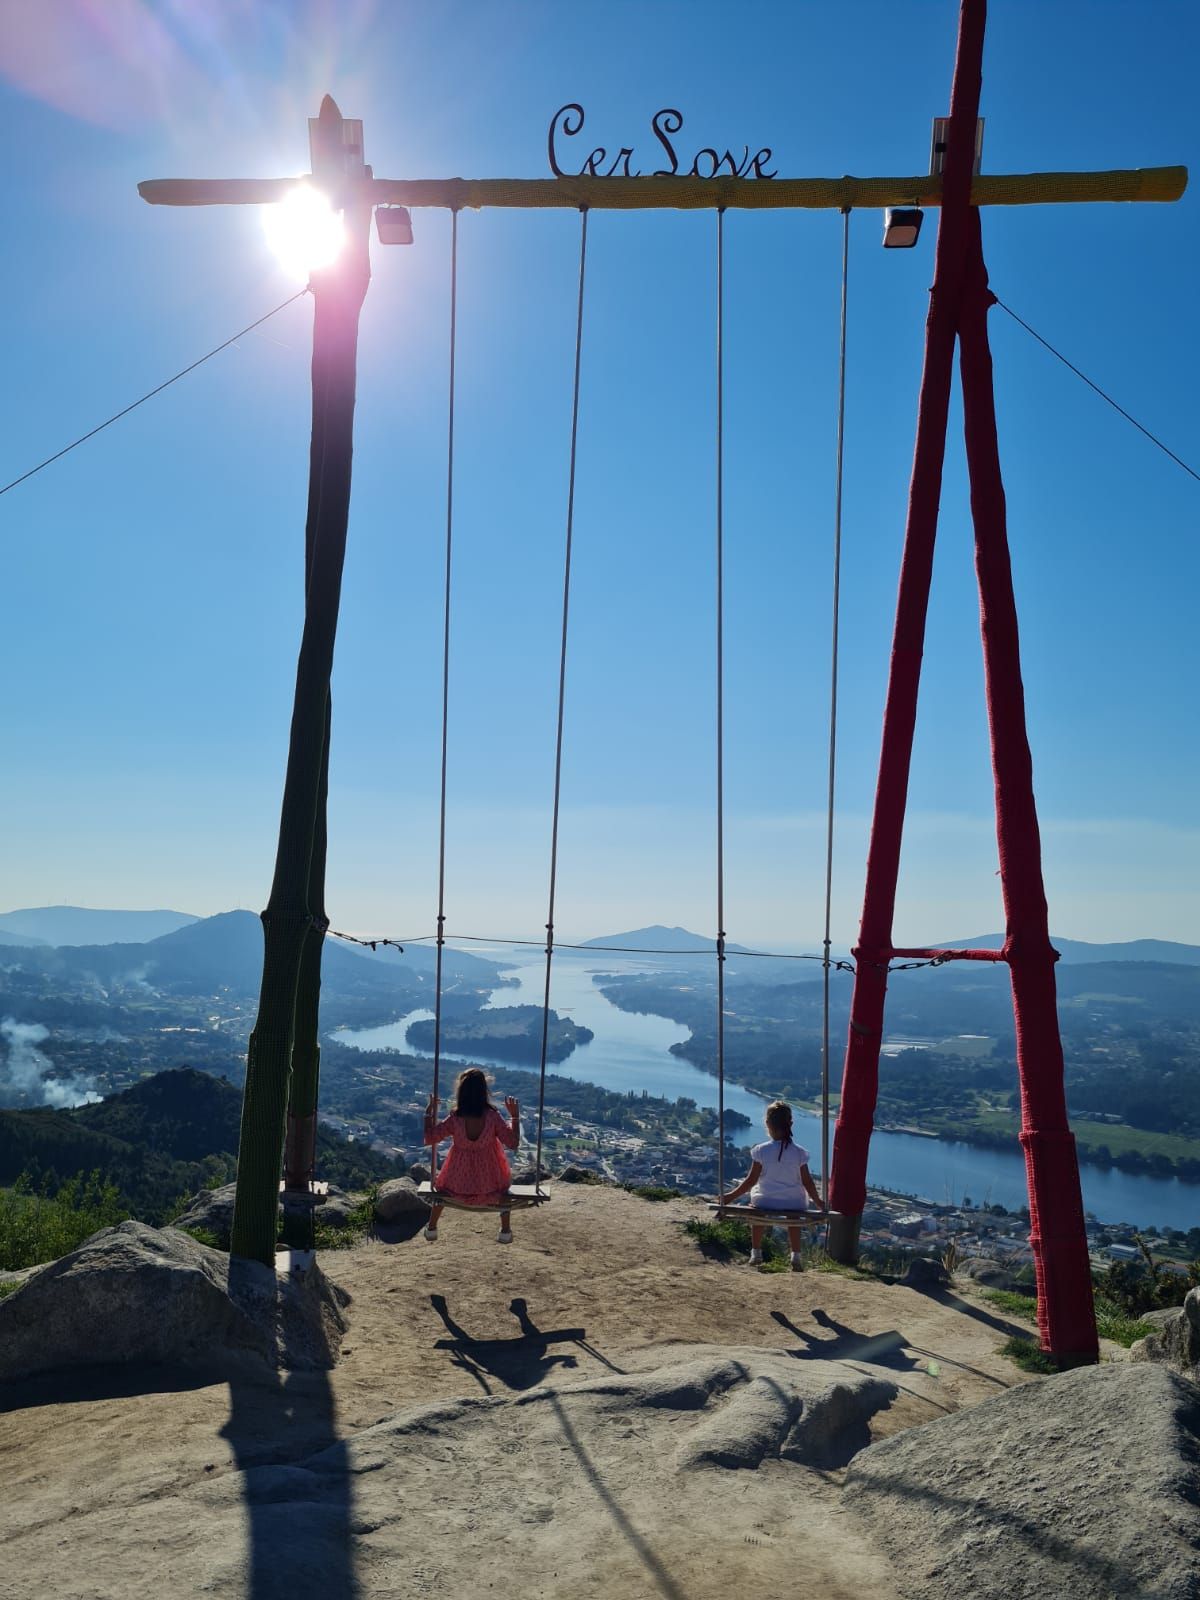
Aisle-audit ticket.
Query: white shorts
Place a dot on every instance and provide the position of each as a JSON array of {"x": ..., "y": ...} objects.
[{"x": 776, "y": 1202}]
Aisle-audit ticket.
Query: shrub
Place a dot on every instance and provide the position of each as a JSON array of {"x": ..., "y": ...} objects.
[
  {"x": 37, "y": 1227},
  {"x": 1134, "y": 1287},
  {"x": 653, "y": 1191},
  {"x": 356, "y": 1228},
  {"x": 204, "y": 1236}
]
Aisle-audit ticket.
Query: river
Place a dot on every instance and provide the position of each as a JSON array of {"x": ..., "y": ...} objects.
[{"x": 631, "y": 1051}]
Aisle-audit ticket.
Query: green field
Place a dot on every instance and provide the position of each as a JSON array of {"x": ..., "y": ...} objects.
[{"x": 1116, "y": 1135}]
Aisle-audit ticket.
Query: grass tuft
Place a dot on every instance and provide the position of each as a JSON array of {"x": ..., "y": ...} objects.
[
  {"x": 653, "y": 1191},
  {"x": 1027, "y": 1355},
  {"x": 1018, "y": 1305},
  {"x": 204, "y": 1236}
]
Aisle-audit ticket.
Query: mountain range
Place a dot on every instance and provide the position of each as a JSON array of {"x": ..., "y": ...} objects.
[
  {"x": 226, "y": 951},
  {"x": 1071, "y": 951},
  {"x": 56, "y": 925}
]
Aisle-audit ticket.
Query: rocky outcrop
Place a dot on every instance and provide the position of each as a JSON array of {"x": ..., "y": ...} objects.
[
  {"x": 212, "y": 1211},
  {"x": 139, "y": 1294},
  {"x": 1177, "y": 1339},
  {"x": 1075, "y": 1486}
]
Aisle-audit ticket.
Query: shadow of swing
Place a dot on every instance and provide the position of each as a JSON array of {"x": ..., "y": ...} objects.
[
  {"x": 521, "y": 1362},
  {"x": 847, "y": 1344}
]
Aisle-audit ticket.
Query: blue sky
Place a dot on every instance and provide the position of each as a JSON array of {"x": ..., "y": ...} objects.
[{"x": 152, "y": 589}]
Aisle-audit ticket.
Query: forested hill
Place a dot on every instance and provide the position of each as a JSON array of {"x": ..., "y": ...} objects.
[{"x": 166, "y": 1137}]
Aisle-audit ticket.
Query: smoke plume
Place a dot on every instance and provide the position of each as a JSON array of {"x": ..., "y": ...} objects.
[{"x": 26, "y": 1073}]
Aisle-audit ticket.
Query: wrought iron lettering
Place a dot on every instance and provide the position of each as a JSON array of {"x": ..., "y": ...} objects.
[
  {"x": 567, "y": 123},
  {"x": 564, "y": 114},
  {"x": 665, "y": 122}
]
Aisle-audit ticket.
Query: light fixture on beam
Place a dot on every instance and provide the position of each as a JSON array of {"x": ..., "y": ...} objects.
[
  {"x": 901, "y": 227},
  {"x": 393, "y": 224}
]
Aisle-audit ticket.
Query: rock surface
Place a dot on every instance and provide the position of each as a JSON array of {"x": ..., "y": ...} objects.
[
  {"x": 212, "y": 1210},
  {"x": 397, "y": 1197},
  {"x": 612, "y": 1488},
  {"x": 923, "y": 1272},
  {"x": 534, "y": 1428},
  {"x": 136, "y": 1294},
  {"x": 989, "y": 1274},
  {"x": 1177, "y": 1340},
  {"x": 1078, "y": 1486}
]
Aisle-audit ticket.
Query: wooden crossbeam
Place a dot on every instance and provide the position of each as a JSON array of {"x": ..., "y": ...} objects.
[{"x": 688, "y": 194}]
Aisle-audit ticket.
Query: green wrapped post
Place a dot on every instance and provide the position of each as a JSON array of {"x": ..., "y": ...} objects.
[
  {"x": 300, "y": 1143},
  {"x": 293, "y": 923}
]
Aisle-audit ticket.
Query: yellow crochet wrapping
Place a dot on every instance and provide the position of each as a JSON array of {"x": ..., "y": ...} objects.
[{"x": 693, "y": 194}]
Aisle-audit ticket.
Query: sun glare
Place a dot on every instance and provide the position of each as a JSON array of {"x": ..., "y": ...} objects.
[{"x": 304, "y": 231}]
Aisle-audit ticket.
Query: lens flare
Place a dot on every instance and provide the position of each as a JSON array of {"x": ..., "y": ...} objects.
[{"x": 304, "y": 231}]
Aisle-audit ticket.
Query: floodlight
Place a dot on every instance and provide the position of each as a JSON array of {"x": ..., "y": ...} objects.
[
  {"x": 901, "y": 227},
  {"x": 394, "y": 224}
]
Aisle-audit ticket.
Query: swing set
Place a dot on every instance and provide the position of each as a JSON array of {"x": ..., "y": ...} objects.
[{"x": 279, "y": 1108}]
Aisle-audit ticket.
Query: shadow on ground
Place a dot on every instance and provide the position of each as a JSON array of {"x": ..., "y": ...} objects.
[
  {"x": 522, "y": 1362},
  {"x": 299, "y": 1536}
]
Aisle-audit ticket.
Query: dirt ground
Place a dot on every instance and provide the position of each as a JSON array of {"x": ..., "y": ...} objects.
[{"x": 138, "y": 1483}]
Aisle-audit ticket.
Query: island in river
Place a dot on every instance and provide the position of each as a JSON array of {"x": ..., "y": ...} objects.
[{"x": 507, "y": 1033}]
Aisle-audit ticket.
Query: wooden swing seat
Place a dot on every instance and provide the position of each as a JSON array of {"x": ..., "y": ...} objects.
[
  {"x": 766, "y": 1217},
  {"x": 519, "y": 1198}
]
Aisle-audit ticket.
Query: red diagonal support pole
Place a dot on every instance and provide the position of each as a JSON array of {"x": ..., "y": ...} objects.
[
  {"x": 860, "y": 1080},
  {"x": 1066, "y": 1316},
  {"x": 960, "y": 305}
]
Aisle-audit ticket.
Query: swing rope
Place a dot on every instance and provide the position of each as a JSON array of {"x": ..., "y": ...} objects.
[
  {"x": 562, "y": 685},
  {"x": 720, "y": 598},
  {"x": 441, "y": 907},
  {"x": 833, "y": 708}
]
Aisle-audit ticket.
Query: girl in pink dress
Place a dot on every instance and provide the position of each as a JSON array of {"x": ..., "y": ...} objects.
[{"x": 476, "y": 1171}]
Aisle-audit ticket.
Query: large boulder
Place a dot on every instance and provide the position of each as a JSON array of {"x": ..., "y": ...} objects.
[
  {"x": 926, "y": 1274},
  {"x": 1077, "y": 1486},
  {"x": 212, "y": 1211},
  {"x": 139, "y": 1294},
  {"x": 396, "y": 1198},
  {"x": 1177, "y": 1340},
  {"x": 989, "y": 1274}
]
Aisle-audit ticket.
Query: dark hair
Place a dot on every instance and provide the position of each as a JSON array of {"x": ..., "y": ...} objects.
[
  {"x": 779, "y": 1122},
  {"x": 471, "y": 1097}
]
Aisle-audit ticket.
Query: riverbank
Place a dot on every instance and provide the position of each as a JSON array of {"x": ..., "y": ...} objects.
[{"x": 630, "y": 1056}]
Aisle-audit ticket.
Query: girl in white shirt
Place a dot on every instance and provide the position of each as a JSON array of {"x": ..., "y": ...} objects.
[{"x": 778, "y": 1180}]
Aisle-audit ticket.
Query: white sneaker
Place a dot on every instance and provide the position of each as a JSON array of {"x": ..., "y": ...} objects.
[
  {"x": 431, "y": 1235},
  {"x": 504, "y": 1236},
  {"x": 755, "y": 1259},
  {"x": 797, "y": 1261}
]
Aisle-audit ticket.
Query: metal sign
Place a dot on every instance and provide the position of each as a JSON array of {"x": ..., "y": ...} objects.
[{"x": 567, "y": 123}]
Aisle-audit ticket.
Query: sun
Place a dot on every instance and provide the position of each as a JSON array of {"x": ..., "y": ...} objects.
[{"x": 304, "y": 231}]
